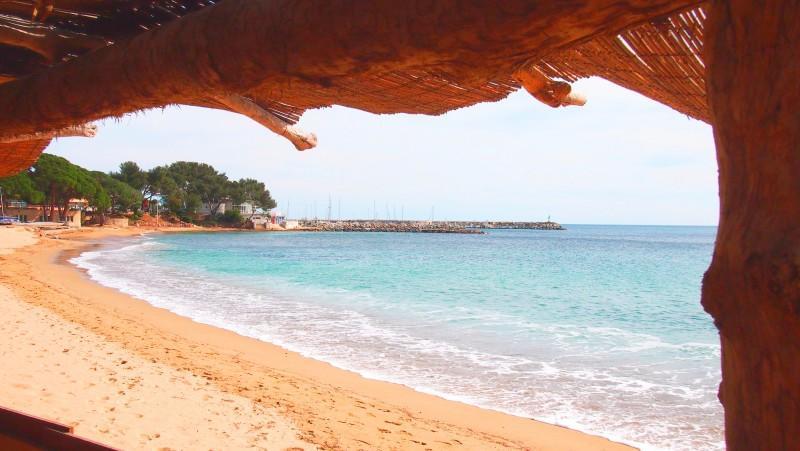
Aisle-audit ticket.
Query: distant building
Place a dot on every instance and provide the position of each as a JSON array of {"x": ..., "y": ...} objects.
[
  {"x": 271, "y": 219},
  {"x": 259, "y": 218},
  {"x": 24, "y": 212},
  {"x": 34, "y": 213},
  {"x": 207, "y": 209},
  {"x": 73, "y": 218},
  {"x": 277, "y": 217},
  {"x": 78, "y": 204},
  {"x": 245, "y": 208}
]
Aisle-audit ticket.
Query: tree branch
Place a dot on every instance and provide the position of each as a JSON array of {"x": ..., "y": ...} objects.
[
  {"x": 85, "y": 130},
  {"x": 550, "y": 92},
  {"x": 245, "y": 106}
]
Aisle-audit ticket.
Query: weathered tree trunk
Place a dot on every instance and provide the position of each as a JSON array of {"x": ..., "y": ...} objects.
[
  {"x": 63, "y": 210},
  {"x": 52, "y": 215},
  {"x": 753, "y": 286}
]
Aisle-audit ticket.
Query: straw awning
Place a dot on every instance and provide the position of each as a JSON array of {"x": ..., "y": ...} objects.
[{"x": 655, "y": 50}]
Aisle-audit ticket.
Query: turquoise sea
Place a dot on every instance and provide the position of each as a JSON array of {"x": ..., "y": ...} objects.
[{"x": 597, "y": 328}]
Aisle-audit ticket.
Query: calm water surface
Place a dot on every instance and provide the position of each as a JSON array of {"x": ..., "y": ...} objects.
[{"x": 598, "y": 328}]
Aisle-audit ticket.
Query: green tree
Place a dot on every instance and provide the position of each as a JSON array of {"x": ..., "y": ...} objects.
[
  {"x": 101, "y": 202},
  {"x": 131, "y": 174},
  {"x": 253, "y": 191},
  {"x": 61, "y": 181},
  {"x": 121, "y": 196},
  {"x": 198, "y": 184},
  {"x": 20, "y": 187},
  {"x": 159, "y": 183},
  {"x": 231, "y": 218}
]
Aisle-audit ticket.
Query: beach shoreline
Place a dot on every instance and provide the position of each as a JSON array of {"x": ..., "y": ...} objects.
[{"x": 329, "y": 407}]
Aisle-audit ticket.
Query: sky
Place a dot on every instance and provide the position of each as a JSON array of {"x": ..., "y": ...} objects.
[{"x": 620, "y": 159}]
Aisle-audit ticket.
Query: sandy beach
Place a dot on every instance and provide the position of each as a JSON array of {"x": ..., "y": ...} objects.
[{"x": 131, "y": 375}]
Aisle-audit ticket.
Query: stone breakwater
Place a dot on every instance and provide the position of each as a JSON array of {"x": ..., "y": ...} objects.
[
  {"x": 388, "y": 226},
  {"x": 466, "y": 227},
  {"x": 544, "y": 225}
]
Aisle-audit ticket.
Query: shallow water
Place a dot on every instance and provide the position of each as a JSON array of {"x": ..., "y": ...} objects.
[{"x": 598, "y": 328}]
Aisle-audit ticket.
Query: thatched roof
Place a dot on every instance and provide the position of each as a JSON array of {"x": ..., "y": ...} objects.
[{"x": 654, "y": 48}]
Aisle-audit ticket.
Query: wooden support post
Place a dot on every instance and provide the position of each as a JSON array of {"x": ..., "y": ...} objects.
[
  {"x": 752, "y": 288},
  {"x": 84, "y": 130},
  {"x": 245, "y": 106}
]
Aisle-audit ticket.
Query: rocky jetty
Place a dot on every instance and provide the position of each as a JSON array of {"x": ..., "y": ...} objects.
[
  {"x": 544, "y": 225},
  {"x": 468, "y": 227},
  {"x": 387, "y": 226}
]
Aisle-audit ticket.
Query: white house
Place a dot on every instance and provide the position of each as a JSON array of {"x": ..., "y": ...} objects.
[
  {"x": 245, "y": 208},
  {"x": 259, "y": 217},
  {"x": 205, "y": 209}
]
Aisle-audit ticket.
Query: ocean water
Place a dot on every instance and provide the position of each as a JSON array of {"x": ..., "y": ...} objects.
[{"x": 597, "y": 328}]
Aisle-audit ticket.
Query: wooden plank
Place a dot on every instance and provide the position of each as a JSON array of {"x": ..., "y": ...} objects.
[
  {"x": 42, "y": 433},
  {"x": 14, "y": 420}
]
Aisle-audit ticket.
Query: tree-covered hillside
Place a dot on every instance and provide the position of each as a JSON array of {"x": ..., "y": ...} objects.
[{"x": 184, "y": 189}]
